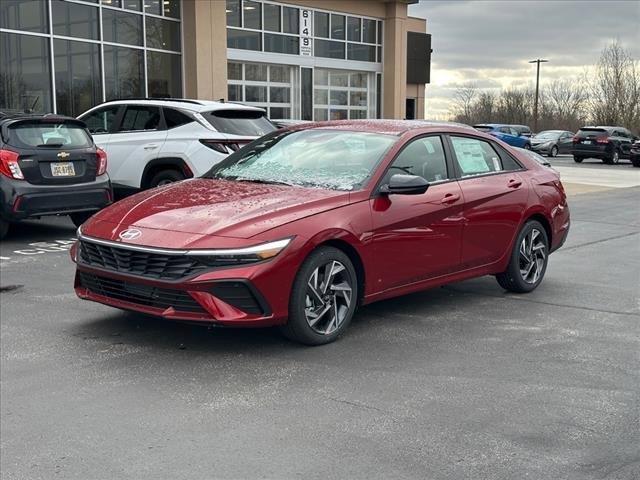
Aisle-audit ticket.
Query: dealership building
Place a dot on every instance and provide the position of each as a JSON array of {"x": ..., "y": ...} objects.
[{"x": 304, "y": 59}]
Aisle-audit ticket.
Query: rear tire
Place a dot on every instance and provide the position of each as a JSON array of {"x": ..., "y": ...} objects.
[
  {"x": 323, "y": 298},
  {"x": 577, "y": 159},
  {"x": 635, "y": 162},
  {"x": 527, "y": 146},
  {"x": 4, "y": 229},
  {"x": 529, "y": 259},
  {"x": 80, "y": 217},
  {"x": 164, "y": 177},
  {"x": 553, "y": 152}
]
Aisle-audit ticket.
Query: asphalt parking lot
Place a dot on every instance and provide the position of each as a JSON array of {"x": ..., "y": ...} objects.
[{"x": 460, "y": 382}]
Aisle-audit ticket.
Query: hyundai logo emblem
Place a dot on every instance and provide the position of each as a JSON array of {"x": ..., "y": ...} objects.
[{"x": 130, "y": 234}]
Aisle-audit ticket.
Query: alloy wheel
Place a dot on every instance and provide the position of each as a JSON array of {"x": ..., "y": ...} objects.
[
  {"x": 554, "y": 151},
  {"x": 616, "y": 157},
  {"x": 533, "y": 255},
  {"x": 328, "y": 298}
]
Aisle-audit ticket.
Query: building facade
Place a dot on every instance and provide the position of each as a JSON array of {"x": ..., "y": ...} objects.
[{"x": 304, "y": 59}]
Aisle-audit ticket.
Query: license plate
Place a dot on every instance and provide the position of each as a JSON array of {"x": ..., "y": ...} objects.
[
  {"x": 587, "y": 142},
  {"x": 63, "y": 169}
]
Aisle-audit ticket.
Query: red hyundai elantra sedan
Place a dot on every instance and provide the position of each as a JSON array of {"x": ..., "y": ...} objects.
[{"x": 301, "y": 226}]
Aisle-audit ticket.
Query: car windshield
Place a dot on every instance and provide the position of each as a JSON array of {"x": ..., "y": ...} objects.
[
  {"x": 29, "y": 134},
  {"x": 548, "y": 134},
  {"x": 320, "y": 158}
]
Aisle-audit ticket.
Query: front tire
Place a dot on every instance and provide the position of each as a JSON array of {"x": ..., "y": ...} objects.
[
  {"x": 577, "y": 159},
  {"x": 529, "y": 259},
  {"x": 635, "y": 162},
  {"x": 553, "y": 152},
  {"x": 527, "y": 146},
  {"x": 323, "y": 298}
]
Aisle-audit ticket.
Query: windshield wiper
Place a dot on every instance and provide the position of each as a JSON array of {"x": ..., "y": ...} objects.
[
  {"x": 53, "y": 145},
  {"x": 260, "y": 180}
]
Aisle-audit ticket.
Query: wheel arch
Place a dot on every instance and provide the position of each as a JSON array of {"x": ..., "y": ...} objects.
[
  {"x": 164, "y": 163},
  {"x": 544, "y": 221},
  {"x": 350, "y": 251}
]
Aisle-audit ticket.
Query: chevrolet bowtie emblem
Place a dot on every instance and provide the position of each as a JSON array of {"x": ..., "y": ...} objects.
[{"x": 63, "y": 155}]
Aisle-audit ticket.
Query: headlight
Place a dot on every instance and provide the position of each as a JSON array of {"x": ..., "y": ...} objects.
[{"x": 240, "y": 256}]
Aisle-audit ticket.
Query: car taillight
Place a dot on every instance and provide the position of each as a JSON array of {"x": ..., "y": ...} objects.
[
  {"x": 9, "y": 165},
  {"x": 576, "y": 139},
  {"x": 102, "y": 161},
  {"x": 602, "y": 139},
  {"x": 216, "y": 145}
]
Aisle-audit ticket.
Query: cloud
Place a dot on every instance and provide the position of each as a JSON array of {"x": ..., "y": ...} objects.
[{"x": 490, "y": 42}]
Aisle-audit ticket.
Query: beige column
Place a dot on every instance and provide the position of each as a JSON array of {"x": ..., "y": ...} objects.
[
  {"x": 394, "y": 74},
  {"x": 204, "y": 48}
]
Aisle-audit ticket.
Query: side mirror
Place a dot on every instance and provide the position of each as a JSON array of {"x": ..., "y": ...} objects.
[{"x": 405, "y": 185}]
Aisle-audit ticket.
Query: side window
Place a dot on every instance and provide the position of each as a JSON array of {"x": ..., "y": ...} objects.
[
  {"x": 175, "y": 118},
  {"x": 140, "y": 118},
  {"x": 423, "y": 157},
  {"x": 477, "y": 157},
  {"x": 101, "y": 121},
  {"x": 513, "y": 132}
]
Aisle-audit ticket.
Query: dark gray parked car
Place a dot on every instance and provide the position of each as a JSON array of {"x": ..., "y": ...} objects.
[{"x": 552, "y": 142}]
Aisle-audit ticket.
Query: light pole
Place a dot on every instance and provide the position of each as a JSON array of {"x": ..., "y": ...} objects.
[{"x": 535, "y": 105}]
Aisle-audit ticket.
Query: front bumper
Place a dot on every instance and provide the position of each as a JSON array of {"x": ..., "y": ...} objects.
[
  {"x": 20, "y": 200},
  {"x": 541, "y": 148}
]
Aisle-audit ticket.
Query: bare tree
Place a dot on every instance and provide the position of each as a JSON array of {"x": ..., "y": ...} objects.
[
  {"x": 615, "y": 88},
  {"x": 463, "y": 100}
]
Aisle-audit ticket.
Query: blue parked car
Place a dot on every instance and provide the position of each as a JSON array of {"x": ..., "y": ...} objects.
[{"x": 507, "y": 133}]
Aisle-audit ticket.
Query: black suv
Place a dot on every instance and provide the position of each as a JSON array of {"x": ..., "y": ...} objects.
[
  {"x": 49, "y": 165},
  {"x": 609, "y": 144}
]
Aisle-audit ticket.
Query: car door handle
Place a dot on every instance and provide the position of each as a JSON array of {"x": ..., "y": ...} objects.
[
  {"x": 514, "y": 183},
  {"x": 450, "y": 198},
  {"x": 151, "y": 146}
]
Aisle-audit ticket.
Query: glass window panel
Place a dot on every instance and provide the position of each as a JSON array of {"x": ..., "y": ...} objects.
[
  {"x": 357, "y": 114},
  {"x": 271, "y": 17},
  {"x": 112, "y": 3},
  {"x": 358, "y": 80},
  {"x": 321, "y": 24},
  {"x": 174, "y": 118},
  {"x": 234, "y": 93},
  {"x": 28, "y": 15},
  {"x": 339, "y": 114},
  {"x": 337, "y": 26},
  {"x": 101, "y": 120},
  {"x": 244, "y": 40},
  {"x": 353, "y": 29},
  {"x": 123, "y": 72},
  {"x": 121, "y": 27},
  {"x": 280, "y": 112},
  {"x": 379, "y": 32},
  {"x": 280, "y": 74},
  {"x": 339, "y": 79},
  {"x": 320, "y": 114},
  {"x": 424, "y": 157},
  {"x": 163, "y": 34},
  {"x": 252, "y": 12},
  {"x": 321, "y": 96},
  {"x": 475, "y": 157},
  {"x": 255, "y": 72},
  {"x": 368, "y": 31},
  {"x": 75, "y": 20},
  {"x": 279, "y": 94},
  {"x": 25, "y": 78},
  {"x": 253, "y": 93},
  {"x": 362, "y": 53},
  {"x": 306, "y": 87},
  {"x": 164, "y": 75},
  {"x": 290, "y": 20},
  {"x": 358, "y": 99},
  {"x": 77, "y": 73},
  {"x": 281, "y": 44},
  {"x": 379, "y": 56},
  {"x": 338, "y": 97},
  {"x": 233, "y": 13},
  {"x": 328, "y": 49},
  {"x": 132, "y": 5},
  {"x": 153, "y": 6},
  {"x": 171, "y": 8},
  {"x": 378, "y": 95},
  {"x": 138, "y": 118},
  {"x": 321, "y": 76},
  {"x": 234, "y": 71}
]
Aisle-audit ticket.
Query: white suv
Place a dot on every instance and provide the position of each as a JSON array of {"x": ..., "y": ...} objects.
[{"x": 152, "y": 142}]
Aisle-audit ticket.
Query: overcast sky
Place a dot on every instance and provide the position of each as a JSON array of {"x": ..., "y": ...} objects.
[{"x": 491, "y": 42}]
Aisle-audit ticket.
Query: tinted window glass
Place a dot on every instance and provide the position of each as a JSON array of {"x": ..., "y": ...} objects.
[
  {"x": 363, "y": 53},
  {"x": 174, "y": 118},
  {"x": 24, "y": 68},
  {"x": 482, "y": 128},
  {"x": 140, "y": 118},
  {"x": 252, "y": 13},
  {"x": 121, "y": 27},
  {"x": 337, "y": 27},
  {"x": 353, "y": 29},
  {"x": 281, "y": 44},
  {"x": 368, "y": 31},
  {"x": 244, "y": 40},
  {"x": 54, "y": 135},
  {"x": 234, "y": 71},
  {"x": 101, "y": 120},
  {"x": 321, "y": 24},
  {"x": 75, "y": 20},
  {"x": 171, "y": 8},
  {"x": 29, "y": 15},
  {"x": 233, "y": 13},
  {"x": 328, "y": 49},
  {"x": 152, "y": 6},
  {"x": 290, "y": 20},
  {"x": 271, "y": 17},
  {"x": 163, "y": 34},
  {"x": 123, "y": 72},
  {"x": 78, "y": 82},
  {"x": 132, "y": 5},
  {"x": 475, "y": 157},
  {"x": 164, "y": 72},
  {"x": 240, "y": 122},
  {"x": 423, "y": 157}
]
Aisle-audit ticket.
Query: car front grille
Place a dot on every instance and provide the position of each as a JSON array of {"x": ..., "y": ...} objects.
[
  {"x": 145, "y": 264},
  {"x": 140, "y": 294}
]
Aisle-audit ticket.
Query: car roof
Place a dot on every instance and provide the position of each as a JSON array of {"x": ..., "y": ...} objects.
[
  {"x": 383, "y": 126},
  {"x": 184, "y": 104},
  {"x": 48, "y": 117}
]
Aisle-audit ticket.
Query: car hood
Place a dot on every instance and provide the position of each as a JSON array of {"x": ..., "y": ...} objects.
[
  {"x": 206, "y": 207},
  {"x": 543, "y": 140}
]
